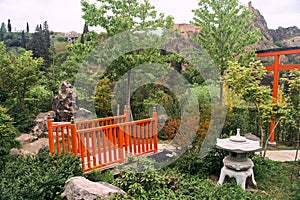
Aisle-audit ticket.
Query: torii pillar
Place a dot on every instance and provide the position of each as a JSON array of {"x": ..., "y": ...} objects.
[{"x": 276, "y": 67}]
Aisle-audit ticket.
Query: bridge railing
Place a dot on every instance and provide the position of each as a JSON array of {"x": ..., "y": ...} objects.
[{"x": 105, "y": 141}]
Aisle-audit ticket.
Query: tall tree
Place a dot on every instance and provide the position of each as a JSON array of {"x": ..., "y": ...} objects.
[
  {"x": 40, "y": 44},
  {"x": 18, "y": 73},
  {"x": 8, "y": 26},
  {"x": 226, "y": 30},
  {"x": 117, "y": 16}
]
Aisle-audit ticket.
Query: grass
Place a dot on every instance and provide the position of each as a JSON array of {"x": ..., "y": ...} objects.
[{"x": 278, "y": 180}]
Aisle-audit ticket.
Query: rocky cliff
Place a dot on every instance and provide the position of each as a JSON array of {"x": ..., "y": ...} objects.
[
  {"x": 269, "y": 38},
  {"x": 275, "y": 37}
]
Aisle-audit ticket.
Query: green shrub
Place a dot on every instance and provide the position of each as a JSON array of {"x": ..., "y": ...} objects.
[
  {"x": 141, "y": 180},
  {"x": 37, "y": 177},
  {"x": 191, "y": 164},
  {"x": 7, "y": 136},
  {"x": 97, "y": 175}
]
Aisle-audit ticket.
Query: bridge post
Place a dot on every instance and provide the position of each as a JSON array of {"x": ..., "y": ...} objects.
[
  {"x": 155, "y": 134},
  {"x": 74, "y": 137},
  {"x": 50, "y": 134},
  {"x": 126, "y": 128}
]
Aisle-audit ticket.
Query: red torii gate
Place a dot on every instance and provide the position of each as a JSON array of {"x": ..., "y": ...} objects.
[{"x": 276, "y": 67}]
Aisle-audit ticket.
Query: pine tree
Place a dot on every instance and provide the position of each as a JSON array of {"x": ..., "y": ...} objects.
[{"x": 40, "y": 45}]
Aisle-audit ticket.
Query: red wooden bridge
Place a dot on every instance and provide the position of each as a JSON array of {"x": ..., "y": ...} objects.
[{"x": 104, "y": 142}]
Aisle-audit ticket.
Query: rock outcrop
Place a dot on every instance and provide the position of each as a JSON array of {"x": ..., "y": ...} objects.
[
  {"x": 40, "y": 124},
  {"x": 282, "y": 34},
  {"x": 266, "y": 40},
  {"x": 65, "y": 107},
  {"x": 64, "y": 104},
  {"x": 77, "y": 188}
]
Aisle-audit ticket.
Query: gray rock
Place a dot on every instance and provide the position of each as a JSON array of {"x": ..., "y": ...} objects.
[
  {"x": 82, "y": 114},
  {"x": 26, "y": 138},
  {"x": 40, "y": 124},
  {"x": 79, "y": 188}
]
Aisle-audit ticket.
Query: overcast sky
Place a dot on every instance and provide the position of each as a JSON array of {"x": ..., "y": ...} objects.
[{"x": 65, "y": 15}]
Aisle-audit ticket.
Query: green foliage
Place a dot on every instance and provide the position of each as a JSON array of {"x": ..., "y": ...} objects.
[
  {"x": 103, "y": 96},
  {"x": 278, "y": 43},
  {"x": 141, "y": 180},
  {"x": 61, "y": 38},
  {"x": 191, "y": 164},
  {"x": 7, "y": 136},
  {"x": 290, "y": 125},
  {"x": 173, "y": 184},
  {"x": 97, "y": 175},
  {"x": 18, "y": 73},
  {"x": 117, "y": 16},
  {"x": 243, "y": 117},
  {"x": 281, "y": 179},
  {"x": 225, "y": 31},
  {"x": 245, "y": 82},
  {"x": 19, "y": 79},
  {"x": 37, "y": 177},
  {"x": 40, "y": 44}
]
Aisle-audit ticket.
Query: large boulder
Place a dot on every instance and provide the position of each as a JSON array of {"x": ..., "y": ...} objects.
[{"x": 78, "y": 188}]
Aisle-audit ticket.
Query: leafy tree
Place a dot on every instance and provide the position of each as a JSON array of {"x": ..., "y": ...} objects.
[
  {"x": 18, "y": 75},
  {"x": 9, "y": 26},
  {"x": 117, "y": 16},
  {"x": 225, "y": 32},
  {"x": 246, "y": 84}
]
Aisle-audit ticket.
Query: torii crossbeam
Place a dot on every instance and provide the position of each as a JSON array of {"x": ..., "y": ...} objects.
[{"x": 276, "y": 67}]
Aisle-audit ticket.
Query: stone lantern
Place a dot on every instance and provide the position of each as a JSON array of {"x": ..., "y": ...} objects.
[{"x": 237, "y": 164}]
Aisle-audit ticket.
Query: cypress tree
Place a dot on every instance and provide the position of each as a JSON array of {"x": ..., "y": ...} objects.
[
  {"x": 2, "y": 31},
  {"x": 23, "y": 40},
  {"x": 9, "y": 26},
  {"x": 27, "y": 28}
]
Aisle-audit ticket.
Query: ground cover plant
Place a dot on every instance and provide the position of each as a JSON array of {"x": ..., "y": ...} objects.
[{"x": 192, "y": 177}]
